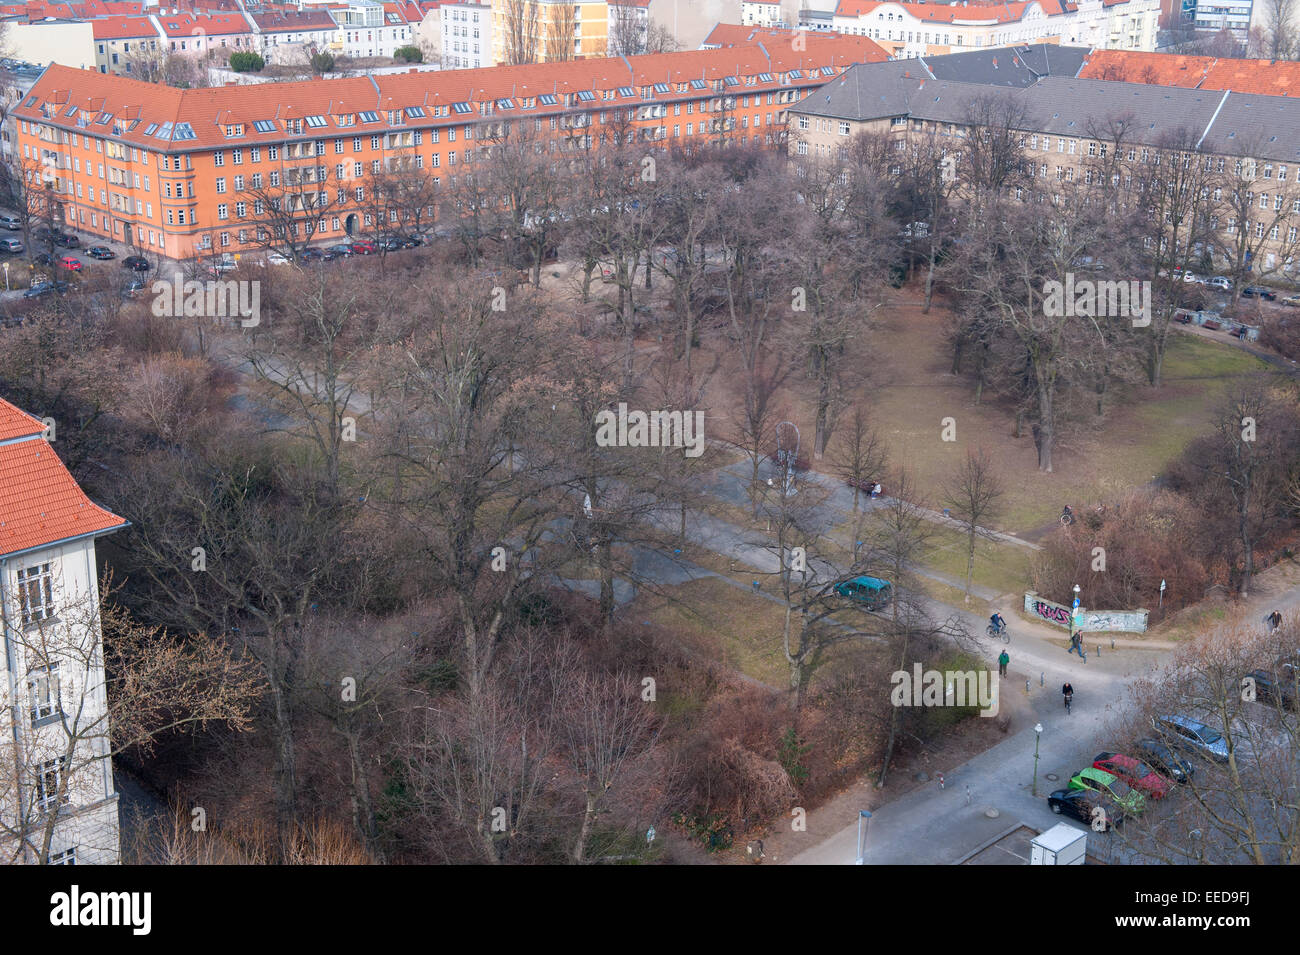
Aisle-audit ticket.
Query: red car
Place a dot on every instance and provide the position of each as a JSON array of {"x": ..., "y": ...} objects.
[
  {"x": 364, "y": 247},
  {"x": 1134, "y": 772},
  {"x": 71, "y": 262}
]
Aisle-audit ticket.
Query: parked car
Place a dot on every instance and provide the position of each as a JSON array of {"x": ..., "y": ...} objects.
[
  {"x": 1134, "y": 772},
  {"x": 1085, "y": 806},
  {"x": 1128, "y": 799},
  {"x": 12, "y": 223},
  {"x": 275, "y": 258},
  {"x": 364, "y": 247},
  {"x": 1191, "y": 278},
  {"x": 871, "y": 592},
  {"x": 133, "y": 288},
  {"x": 1279, "y": 687},
  {"x": 1291, "y": 300},
  {"x": 411, "y": 241},
  {"x": 101, "y": 252},
  {"x": 65, "y": 239},
  {"x": 1267, "y": 294},
  {"x": 1165, "y": 760},
  {"x": 1221, "y": 282},
  {"x": 389, "y": 245},
  {"x": 312, "y": 254},
  {"x": 136, "y": 263},
  {"x": 45, "y": 288},
  {"x": 1191, "y": 735},
  {"x": 341, "y": 251},
  {"x": 71, "y": 263},
  {"x": 222, "y": 264},
  {"x": 12, "y": 246},
  {"x": 43, "y": 258}
]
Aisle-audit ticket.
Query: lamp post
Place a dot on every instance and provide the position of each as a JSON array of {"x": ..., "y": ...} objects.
[
  {"x": 1074, "y": 616},
  {"x": 1038, "y": 734},
  {"x": 6, "y": 276},
  {"x": 864, "y": 818}
]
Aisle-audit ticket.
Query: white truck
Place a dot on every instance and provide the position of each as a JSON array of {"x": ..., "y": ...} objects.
[{"x": 1061, "y": 845}]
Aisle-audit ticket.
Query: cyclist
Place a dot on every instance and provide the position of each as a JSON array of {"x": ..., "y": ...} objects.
[
  {"x": 1067, "y": 691},
  {"x": 1067, "y": 515},
  {"x": 1274, "y": 620},
  {"x": 997, "y": 623}
]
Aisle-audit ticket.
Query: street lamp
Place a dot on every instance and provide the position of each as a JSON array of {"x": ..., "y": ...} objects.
[
  {"x": 6, "y": 276},
  {"x": 864, "y": 818},
  {"x": 1074, "y": 616},
  {"x": 1038, "y": 734}
]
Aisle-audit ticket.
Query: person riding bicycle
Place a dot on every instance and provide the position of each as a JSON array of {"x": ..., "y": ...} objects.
[
  {"x": 997, "y": 623},
  {"x": 1067, "y": 515},
  {"x": 1067, "y": 691}
]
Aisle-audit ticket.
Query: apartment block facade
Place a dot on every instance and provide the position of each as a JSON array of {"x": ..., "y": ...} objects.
[
  {"x": 176, "y": 172},
  {"x": 1245, "y": 143},
  {"x": 545, "y": 31},
  {"x": 58, "y": 802}
]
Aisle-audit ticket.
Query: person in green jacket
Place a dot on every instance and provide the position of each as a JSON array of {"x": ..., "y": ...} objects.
[{"x": 1002, "y": 663}]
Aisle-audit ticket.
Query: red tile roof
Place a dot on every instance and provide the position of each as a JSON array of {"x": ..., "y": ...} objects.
[
  {"x": 122, "y": 28},
  {"x": 1265, "y": 77},
  {"x": 944, "y": 13},
  {"x": 16, "y": 423},
  {"x": 184, "y": 25},
  {"x": 126, "y": 100},
  {"x": 40, "y": 503}
]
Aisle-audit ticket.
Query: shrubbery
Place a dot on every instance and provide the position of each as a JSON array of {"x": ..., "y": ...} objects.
[{"x": 246, "y": 62}]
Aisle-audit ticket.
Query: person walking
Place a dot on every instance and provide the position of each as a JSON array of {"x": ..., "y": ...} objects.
[
  {"x": 1076, "y": 646},
  {"x": 1274, "y": 621},
  {"x": 1002, "y": 663}
]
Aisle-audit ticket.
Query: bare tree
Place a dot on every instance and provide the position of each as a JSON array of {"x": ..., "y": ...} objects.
[
  {"x": 520, "y": 24},
  {"x": 974, "y": 496}
]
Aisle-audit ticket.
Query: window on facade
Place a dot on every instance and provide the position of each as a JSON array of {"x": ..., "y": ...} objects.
[
  {"x": 43, "y": 692},
  {"x": 36, "y": 593},
  {"x": 49, "y": 779}
]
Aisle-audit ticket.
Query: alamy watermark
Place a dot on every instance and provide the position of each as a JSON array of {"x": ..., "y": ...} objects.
[
  {"x": 1087, "y": 297},
  {"x": 651, "y": 429},
  {"x": 947, "y": 688},
  {"x": 210, "y": 299}
]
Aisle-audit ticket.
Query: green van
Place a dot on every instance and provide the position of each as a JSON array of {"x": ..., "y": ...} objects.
[{"x": 872, "y": 592}]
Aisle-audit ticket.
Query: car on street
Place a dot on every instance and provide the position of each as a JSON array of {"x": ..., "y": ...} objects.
[
  {"x": 341, "y": 251},
  {"x": 1086, "y": 806},
  {"x": 871, "y": 592},
  {"x": 136, "y": 263},
  {"x": 389, "y": 244},
  {"x": 1100, "y": 781},
  {"x": 45, "y": 288},
  {"x": 1164, "y": 760},
  {"x": 12, "y": 246},
  {"x": 1279, "y": 687},
  {"x": 312, "y": 254},
  {"x": 1252, "y": 291},
  {"x": 133, "y": 288},
  {"x": 275, "y": 258},
  {"x": 12, "y": 223},
  {"x": 1220, "y": 282},
  {"x": 101, "y": 252},
  {"x": 43, "y": 258},
  {"x": 71, "y": 263},
  {"x": 1191, "y": 736},
  {"x": 65, "y": 239},
  {"x": 363, "y": 247},
  {"x": 1292, "y": 300},
  {"x": 1134, "y": 772},
  {"x": 1191, "y": 278},
  {"x": 410, "y": 241}
]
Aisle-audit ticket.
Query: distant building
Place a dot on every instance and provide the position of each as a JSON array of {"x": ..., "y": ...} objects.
[
  {"x": 119, "y": 38},
  {"x": 760, "y": 13},
  {"x": 56, "y": 776},
  {"x": 629, "y": 27},
  {"x": 292, "y": 36},
  {"x": 466, "y": 35},
  {"x": 51, "y": 40},
  {"x": 545, "y": 31}
]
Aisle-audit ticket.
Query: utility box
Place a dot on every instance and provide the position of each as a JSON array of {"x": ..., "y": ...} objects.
[{"x": 1061, "y": 845}]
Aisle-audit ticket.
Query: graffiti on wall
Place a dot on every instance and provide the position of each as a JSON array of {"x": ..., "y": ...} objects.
[{"x": 1052, "y": 613}]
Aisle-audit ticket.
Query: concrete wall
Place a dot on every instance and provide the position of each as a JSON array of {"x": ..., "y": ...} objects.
[{"x": 1047, "y": 611}]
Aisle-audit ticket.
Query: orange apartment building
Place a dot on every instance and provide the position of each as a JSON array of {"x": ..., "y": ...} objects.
[{"x": 176, "y": 172}]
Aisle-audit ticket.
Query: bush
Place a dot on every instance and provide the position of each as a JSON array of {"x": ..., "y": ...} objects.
[
  {"x": 246, "y": 62},
  {"x": 322, "y": 62},
  {"x": 411, "y": 54}
]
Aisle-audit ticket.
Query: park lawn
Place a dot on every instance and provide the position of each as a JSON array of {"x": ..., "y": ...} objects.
[
  {"x": 913, "y": 390},
  {"x": 1003, "y": 568},
  {"x": 736, "y": 628}
]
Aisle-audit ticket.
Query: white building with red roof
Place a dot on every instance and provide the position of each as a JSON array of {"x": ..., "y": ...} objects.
[
  {"x": 119, "y": 39},
  {"x": 58, "y": 802},
  {"x": 910, "y": 29},
  {"x": 197, "y": 34}
]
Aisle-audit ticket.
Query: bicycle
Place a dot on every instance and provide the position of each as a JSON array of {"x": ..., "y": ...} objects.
[
  {"x": 1069, "y": 697},
  {"x": 995, "y": 632},
  {"x": 1067, "y": 517}
]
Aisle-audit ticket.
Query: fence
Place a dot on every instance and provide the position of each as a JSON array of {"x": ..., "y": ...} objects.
[{"x": 1126, "y": 621}]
